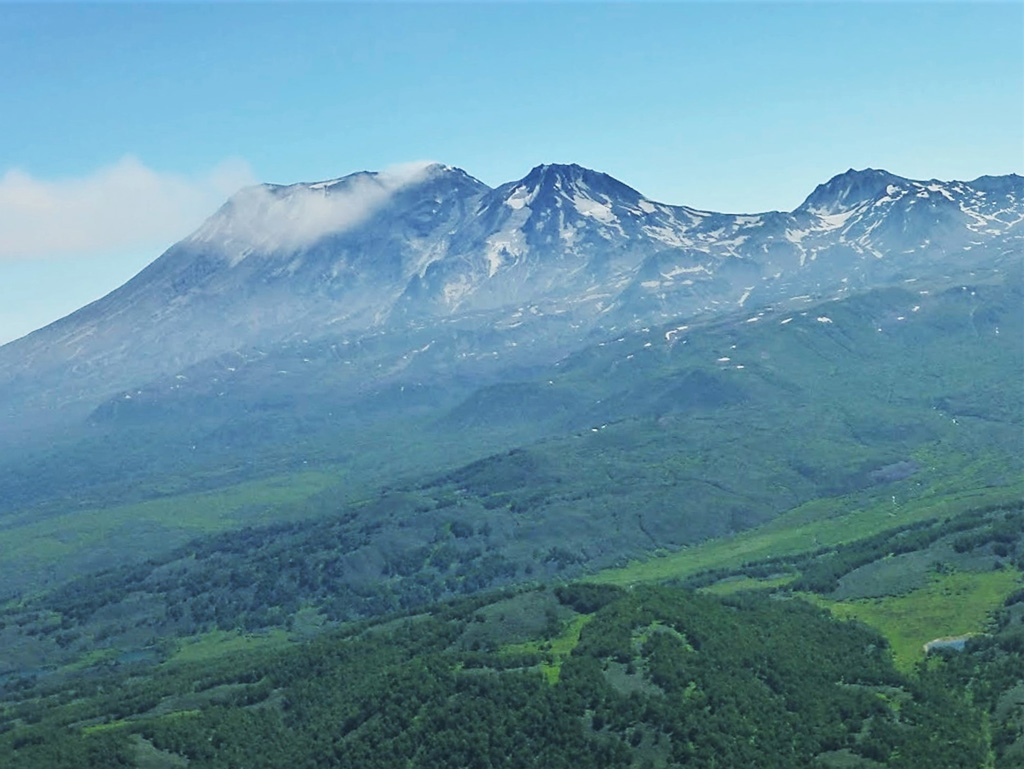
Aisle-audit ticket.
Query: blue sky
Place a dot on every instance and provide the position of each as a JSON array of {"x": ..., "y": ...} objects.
[{"x": 125, "y": 124}]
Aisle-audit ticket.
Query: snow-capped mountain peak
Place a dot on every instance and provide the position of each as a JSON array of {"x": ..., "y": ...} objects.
[
  {"x": 561, "y": 254},
  {"x": 848, "y": 190},
  {"x": 573, "y": 176}
]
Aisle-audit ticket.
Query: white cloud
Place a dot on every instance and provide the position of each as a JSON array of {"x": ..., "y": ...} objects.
[
  {"x": 125, "y": 205},
  {"x": 263, "y": 219}
]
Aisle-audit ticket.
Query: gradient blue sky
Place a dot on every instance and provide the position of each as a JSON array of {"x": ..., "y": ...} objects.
[{"x": 125, "y": 124}]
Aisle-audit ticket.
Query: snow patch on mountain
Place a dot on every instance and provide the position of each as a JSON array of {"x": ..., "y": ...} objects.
[
  {"x": 522, "y": 196},
  {"x": 592, "y": 208},
  {"x": 677, "y": 271},
  {"x": 456, "y": 290},
  {"x": 835, "y": 221},
  {"x": 667, "y": 235}
]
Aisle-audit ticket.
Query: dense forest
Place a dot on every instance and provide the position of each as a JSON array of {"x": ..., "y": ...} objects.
[
  {"x": 289, "y": 576},
  {"x": 580, "y": 674},
  {"x": 583, "y": 675}
]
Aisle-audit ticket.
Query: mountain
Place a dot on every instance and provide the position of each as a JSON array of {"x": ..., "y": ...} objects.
[
  {"x": 523, "y": 273},
  {"x": 314, "y": 345},
  {"x": 360, "y": 396}
]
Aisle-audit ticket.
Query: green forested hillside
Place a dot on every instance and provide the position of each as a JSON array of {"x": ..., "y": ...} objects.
[
  {"x": 708, "y": 430},
  {"x": 658, "y": 677},
  {"x": 745, "y": 671},
  {"x": 812, "y": 434},
  {"x": 855, "y": 459}
]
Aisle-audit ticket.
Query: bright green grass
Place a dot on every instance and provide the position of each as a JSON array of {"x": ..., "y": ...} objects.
[
  {"x": 555, "y": 651},
  {"x": 730, "y": 586},
  {"x": 106, "y": 727},
  {"x": 218, "y": 643},
  {"x": 950, "y": 605},
  {"x": 94, "y": 657},
  {"x": 121, "y": 722},
  {"x": 59, "y": 537},
  {"x": 816, "y": 524}
]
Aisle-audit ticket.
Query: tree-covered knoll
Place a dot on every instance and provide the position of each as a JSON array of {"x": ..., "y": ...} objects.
[{"x": 659, "y": 677}]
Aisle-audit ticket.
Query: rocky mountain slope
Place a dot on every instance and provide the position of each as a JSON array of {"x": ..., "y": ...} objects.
[{"x": 521, "y": 274}]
